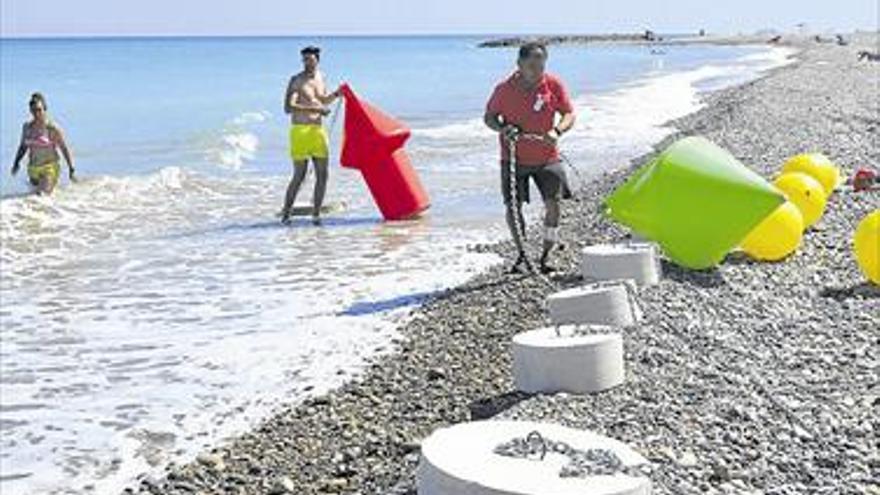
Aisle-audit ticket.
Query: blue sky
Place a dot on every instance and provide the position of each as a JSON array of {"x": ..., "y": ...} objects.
[{"x": 256, "y": 17}]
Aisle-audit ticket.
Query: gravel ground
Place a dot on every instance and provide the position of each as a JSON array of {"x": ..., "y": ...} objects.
[{"x": 752, "y": 378}]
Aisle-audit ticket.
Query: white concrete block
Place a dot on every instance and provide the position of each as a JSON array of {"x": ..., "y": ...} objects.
[
  {"x": 635, "y": 261},
  {"x": 561, "y": 360},
  {"x": 461, "y": 460},
  {"x": 608, "y": 303}
]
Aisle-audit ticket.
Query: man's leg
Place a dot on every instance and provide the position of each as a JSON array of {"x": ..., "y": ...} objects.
[
  {"x": 299, "y": 174},
  {"x": 321, "y": 173},
  {"x": 551, "y": 230},
  {"x": 551, "y": 181}
]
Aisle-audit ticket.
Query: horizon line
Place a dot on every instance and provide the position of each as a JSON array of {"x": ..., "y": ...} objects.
[
  {"x": 90, "y": 36},
  {"x": 417, "y": 34}
]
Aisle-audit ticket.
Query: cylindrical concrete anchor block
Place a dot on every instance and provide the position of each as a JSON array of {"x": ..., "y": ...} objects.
[
  {"x": 594, "y": 304},
  {"x": 475, "y": 459},
  {"x": 553, "y": 360},
  {"x": 634, "y": 261}
]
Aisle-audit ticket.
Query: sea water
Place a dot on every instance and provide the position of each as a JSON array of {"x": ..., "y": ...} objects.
[{"x": 158, "y": 306}]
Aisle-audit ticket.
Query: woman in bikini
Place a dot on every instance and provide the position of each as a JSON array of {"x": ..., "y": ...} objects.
[{"x": 41, "y": 139}]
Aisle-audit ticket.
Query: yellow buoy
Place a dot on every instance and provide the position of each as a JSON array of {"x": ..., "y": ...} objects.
[
  {"x": 817, "y": 166},
  {"x": 805, "y": 192},
  {"x": 867, "y": 246},
  {"x": 777, "y": 236}
]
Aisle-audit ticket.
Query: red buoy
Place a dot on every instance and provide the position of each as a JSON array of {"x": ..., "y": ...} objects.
[{"x": 372, "y": 142}]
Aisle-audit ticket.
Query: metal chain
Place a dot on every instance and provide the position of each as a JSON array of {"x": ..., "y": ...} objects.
[
  {"x": 515, "y": 211},
  {"x": 584, "y": 329},
  {"x": 632, "y": 295},
  {"x": 571, "y": 166},
  {"x": 514, "y": 204},
  {"x": 581, "y": 463}
]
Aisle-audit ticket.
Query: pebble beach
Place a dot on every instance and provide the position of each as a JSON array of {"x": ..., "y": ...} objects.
[{"x": 750, "y": 378}]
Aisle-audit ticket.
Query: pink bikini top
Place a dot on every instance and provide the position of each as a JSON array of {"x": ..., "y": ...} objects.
[
  {"x": 42, "y": 139},
  {"x": 41, "y": 146}
]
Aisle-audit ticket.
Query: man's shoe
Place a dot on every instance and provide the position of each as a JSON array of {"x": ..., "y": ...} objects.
[
  {"x": 521, "y": 265},
  {"x": 546, "y": 269},
  {"x": 543, "y": 266}
]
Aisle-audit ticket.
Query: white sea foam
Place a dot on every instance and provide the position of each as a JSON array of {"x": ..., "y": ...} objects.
[
  {"x": 143, "y": 316},
  {"x": 251, "y": 117},
  {"x": 237, "y": 149},
  {"x": 238, "y": 142},
  {"x": 468, "y": 130},
  {"x": 774, "y": 57}
]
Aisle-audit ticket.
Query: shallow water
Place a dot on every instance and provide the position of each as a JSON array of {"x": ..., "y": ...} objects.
[{"x": 158, "y": 306}]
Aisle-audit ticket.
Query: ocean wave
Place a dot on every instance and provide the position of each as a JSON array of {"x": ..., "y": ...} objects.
[
  {"x": 170, "y": 342},
  {"x": 237, "y": 149},
  {"x": 251, "y": 117},
  {"x": 774, "y": 57},
  {"x": 238, "y": 142},
  {"x": 467, "y": 130},
  {"x": 93, "y": 209}
]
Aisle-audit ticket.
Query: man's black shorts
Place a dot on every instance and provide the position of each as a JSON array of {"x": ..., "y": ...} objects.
[{"x": 550, "y": 179}]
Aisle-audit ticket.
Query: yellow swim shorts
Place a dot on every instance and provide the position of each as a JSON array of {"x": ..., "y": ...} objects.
[
  {"x": 308, "y": 141},
  {"x": 51, "y": 170}
]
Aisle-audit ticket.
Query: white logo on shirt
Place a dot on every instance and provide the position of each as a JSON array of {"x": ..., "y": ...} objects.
[{"x": 539, "y": 103}]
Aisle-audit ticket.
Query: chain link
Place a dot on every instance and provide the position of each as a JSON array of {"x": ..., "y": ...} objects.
[
  {"x": 515, "y": 208},
  {"x": 581, "y": 462}
]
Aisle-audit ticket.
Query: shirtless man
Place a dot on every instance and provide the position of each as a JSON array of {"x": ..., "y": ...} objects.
[{"x": 305, "y": 100}]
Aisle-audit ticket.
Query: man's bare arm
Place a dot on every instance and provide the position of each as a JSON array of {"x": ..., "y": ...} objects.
[
  {"x": 493, "y": 121},
  {"x": 289, "y": 95},
  {"x": 290, "y": 106},
  {"x": 566, "y": 122},
  {"x": 327, "y": 98}
]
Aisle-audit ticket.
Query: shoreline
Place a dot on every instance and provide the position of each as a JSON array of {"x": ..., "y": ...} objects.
[
  {"x": 242, "y": 405},
  {"x": 656, "y": 40},
  {"x": 451, "y": 363}
]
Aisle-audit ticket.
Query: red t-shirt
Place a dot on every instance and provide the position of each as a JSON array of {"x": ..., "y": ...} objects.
[{"x": 534, "y": 112}]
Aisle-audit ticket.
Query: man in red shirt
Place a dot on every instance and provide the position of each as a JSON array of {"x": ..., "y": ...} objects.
[{"x": 524, "y": 109}]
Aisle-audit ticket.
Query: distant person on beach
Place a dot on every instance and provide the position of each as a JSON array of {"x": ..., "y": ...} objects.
[
  {"x": 41, "y": 139},
  {"x": 305, "y": 100},
  {"x": 524, "y": 108}
]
